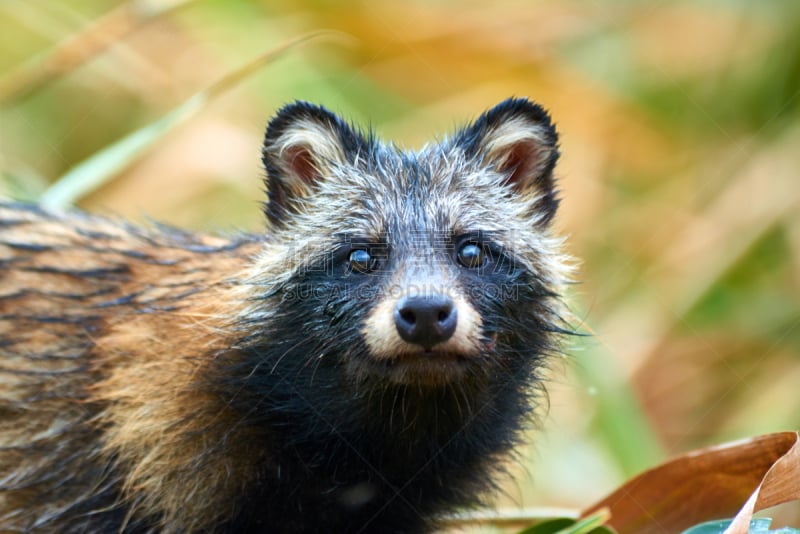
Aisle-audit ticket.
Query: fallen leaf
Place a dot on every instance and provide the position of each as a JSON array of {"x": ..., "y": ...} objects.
[{"x": 707, "y": 484}]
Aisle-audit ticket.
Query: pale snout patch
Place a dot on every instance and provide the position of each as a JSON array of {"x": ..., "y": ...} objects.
[{"x": 384, "y": 342}]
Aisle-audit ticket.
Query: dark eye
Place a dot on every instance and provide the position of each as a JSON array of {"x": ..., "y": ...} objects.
[
  {"x": 471, "y": 255},
  {"x": 360, "y": 261}
]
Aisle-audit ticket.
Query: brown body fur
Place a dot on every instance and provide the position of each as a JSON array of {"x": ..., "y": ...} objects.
[{"x": 104, "y": 329}]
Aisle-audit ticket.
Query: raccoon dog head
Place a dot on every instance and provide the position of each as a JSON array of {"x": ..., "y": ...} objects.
[{"x": 413, "y": 267}]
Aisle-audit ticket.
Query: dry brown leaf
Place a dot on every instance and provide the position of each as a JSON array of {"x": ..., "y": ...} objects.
[
  {"x": 781, "y": 484},
  {"x": 707, "y": 484}
]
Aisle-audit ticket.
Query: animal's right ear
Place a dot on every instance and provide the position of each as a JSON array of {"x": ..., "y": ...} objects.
[{"x": 303, "y": 146}]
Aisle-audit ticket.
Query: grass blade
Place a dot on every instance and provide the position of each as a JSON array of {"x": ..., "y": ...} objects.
[
  {"x": 81, "y": 47},
  {"x": 99, "y": 168}
]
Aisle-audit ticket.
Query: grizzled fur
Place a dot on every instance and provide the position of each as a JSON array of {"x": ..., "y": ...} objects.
[{"x": 156, "y": 380}]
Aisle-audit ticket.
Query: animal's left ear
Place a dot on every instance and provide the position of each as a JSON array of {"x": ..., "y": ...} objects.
[{"x": 517, "y": 139}]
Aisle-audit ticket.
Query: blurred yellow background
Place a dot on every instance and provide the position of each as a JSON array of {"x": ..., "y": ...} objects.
[{"x": 680, "y": 174}]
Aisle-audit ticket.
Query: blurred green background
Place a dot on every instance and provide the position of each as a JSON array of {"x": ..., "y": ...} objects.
[{"x": 680, "y": 174}]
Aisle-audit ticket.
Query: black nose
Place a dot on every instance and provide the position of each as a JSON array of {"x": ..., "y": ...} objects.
[{"x": 425, "y": 320}]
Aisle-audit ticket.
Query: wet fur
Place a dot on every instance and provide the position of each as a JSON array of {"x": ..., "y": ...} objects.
[{"x": 156, "y": 380}]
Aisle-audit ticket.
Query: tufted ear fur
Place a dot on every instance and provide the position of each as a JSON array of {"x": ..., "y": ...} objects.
[
  {"x": 304, "y": 143},
  {"x": 519, "y": 141}
]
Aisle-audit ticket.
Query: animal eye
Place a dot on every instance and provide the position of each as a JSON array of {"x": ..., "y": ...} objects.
[
  {"x": 471, "y": 255},
  {"x": 361, "y": 261}
]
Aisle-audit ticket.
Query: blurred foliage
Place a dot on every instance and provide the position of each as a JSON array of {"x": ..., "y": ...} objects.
[{"x": 680, "y": 136}]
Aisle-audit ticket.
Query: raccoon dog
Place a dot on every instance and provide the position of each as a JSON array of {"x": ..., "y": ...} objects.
[{"x": 361, "y": 366}]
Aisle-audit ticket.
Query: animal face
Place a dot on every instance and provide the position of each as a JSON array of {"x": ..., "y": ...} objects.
[{"x": 422, "y": 267}]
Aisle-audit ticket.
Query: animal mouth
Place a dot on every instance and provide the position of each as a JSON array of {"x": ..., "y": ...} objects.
[
  {"x": 430, "y": 354},
  {"x": 427, "y": 368},
  {"x": 433, "y": 365},
  {"x": 486, "y": 346}
]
